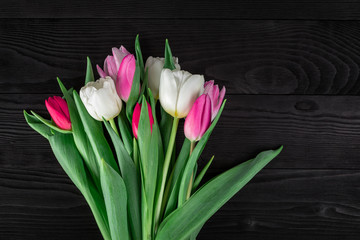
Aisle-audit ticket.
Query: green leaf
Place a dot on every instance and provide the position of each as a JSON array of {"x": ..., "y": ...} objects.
[
  {"x": 202, "y": 174},
  {"x": 134, "y": 93},
  {"x": 139, "y": 57},
  {"x": 94, "y": 132},
  {"x": 89, "y": 72},
  {"x": 114, "y": 191},
  {"x": 169, "y": 60},
  {"x": 50, "y": 124},
  {"x": 70, "y": 160},
  {"x": 172, "y": 189},
  {"x": 194, "y": 157},
  {"x": 131, "y": 180},
  {"x": 149, "y": 155},
  {"x": 37, "y": 125},
  {"x": 80, "y": 137},
  {"x": 211, "y": 197},
  {"x": 144, "y": 83},
  {"x": 125, "y": 132}
]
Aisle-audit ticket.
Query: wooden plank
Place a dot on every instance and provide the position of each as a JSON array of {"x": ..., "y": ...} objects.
[
  {"x": 229, "y": 9},
  {"x": 277, "y": 204},
  {"x": 249, "y": 57},
  {"x": 317, "y": 132}
]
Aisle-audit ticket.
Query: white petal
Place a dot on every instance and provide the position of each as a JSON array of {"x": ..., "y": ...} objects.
[
  {"x": 192, "y": 87},
  {"x": 154, "y": 72},
  {"x": 100, "y": 99},
  {"x": 168, "y": 91}
]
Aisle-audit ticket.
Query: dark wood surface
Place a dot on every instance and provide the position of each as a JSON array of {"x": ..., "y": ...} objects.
[{"x": 292, "y": 75}]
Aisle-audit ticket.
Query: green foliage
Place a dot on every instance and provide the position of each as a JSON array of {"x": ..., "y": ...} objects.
[
  {"x": 146, "y": 194},
  {"x": 182, "y": 222}
]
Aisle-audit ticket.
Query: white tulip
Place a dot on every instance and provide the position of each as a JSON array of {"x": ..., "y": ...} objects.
[
  {"x": 100, "y": 99},
  {"x": 155, "y": 65},
  {"x": 179, "y": 90}
]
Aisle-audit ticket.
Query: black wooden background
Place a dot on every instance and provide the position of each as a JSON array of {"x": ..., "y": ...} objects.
[{"x": 292, "y": 75}]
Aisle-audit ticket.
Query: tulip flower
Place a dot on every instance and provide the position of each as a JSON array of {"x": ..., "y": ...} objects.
[
  {"x": 125, "y": 77},
  {"x": 100, "y": 99},
  {"x": 136, "y": 118},
  {"x": 179, "y": 90},
  {"x": 112, "y": 63},
  {"x": 216, "y": 97},
  {"x": 59, "y": 112},
  {"x": 154, "y": 66},
  {"x": 199, "y": 119}
]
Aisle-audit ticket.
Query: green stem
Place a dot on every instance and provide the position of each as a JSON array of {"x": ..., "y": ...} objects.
[
  {"x": 112, "y": 123},
  {"x": 165, "y": 170},
  {"x": 192, "y": 146}
]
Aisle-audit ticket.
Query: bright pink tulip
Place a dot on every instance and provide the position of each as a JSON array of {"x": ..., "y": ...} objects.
[
  {"x": 136, "y": 118},
  {"x": 112, "y": 63},
  {"x": 199, "y": 118},
  {"x": 216, "y": 97},
  {"x": 125, "y": 77},
  {"x": 59, "y": 112}
]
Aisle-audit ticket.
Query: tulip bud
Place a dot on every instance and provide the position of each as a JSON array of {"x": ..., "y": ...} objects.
[
  {"x": 112, "y": 63},
  {"x": 215, "y": 97},
  {"x": 100, "y": 99},
  {"x": 154, "y": 66},
  {"x": 125, "y": 77},
  {"x": 59, "y": 112},
  {"x": 136, "y": 118},
  {"x": 179, "y": 90},
  {"x": 199, "y": 118}
]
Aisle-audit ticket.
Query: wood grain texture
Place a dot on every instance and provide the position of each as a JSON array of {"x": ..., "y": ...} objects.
[
  {"x": 228, "y": 9},
  {"x": 249, "y": 57},
  {"x": 277, "y": 204},
  {"x": 291, "y": 69}
]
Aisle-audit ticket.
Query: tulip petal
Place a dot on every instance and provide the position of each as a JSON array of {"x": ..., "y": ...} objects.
[
  {"x": 220, "y": 99},
  {"x": 59, "y": 112},
  {"x": 199, "y": 118},
  {"x": 100, "y": 71},
  {"x": 100, "y": 99},
  {"x": 125, "y": 77},
  {"x": 136, "y": 119},
  {"x": 110, "y": 67},
  {"x": 168, "y": 91},
  {"x": 192, "y": 87},
  {"x": 119, "y": 54}
]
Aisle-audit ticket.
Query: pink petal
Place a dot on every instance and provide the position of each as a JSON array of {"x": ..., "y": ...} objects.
[
  {"x": 136, "y": 119},
  {"x": 199, "y": 118},
  {"x": 100, "y": 71},
  {"x": 59, "y": 112},
  {"x": 123, "y": 50},
  {"x": 110, "y": 67},
  {"x": 119, "y": 55},
  {"x": 125, "y": 77}
]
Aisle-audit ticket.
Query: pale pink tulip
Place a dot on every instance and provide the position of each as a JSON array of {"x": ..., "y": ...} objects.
[
  {"x": 112, "y": 63},
  {"x": 136, "y": 118},
  {"x": 215, "y": 95},
  {"x": 199, "y": 118},
  {"x": 125, "y": 77},
  {"x": 59, "y": 112}
]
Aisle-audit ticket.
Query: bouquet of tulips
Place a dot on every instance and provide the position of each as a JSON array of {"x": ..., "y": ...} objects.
[{"x": 115, "y": 141}]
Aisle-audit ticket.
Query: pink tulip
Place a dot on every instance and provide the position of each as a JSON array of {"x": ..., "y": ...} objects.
[
  {"x": 136, "y": 118},
  {"x": 112, "y": 63},
  {"x": 59, "y": 112},
  {"x": 199, "y": 118},
  {"x": 216, "y": 97},
  {"x": 125, "y": 77}
]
